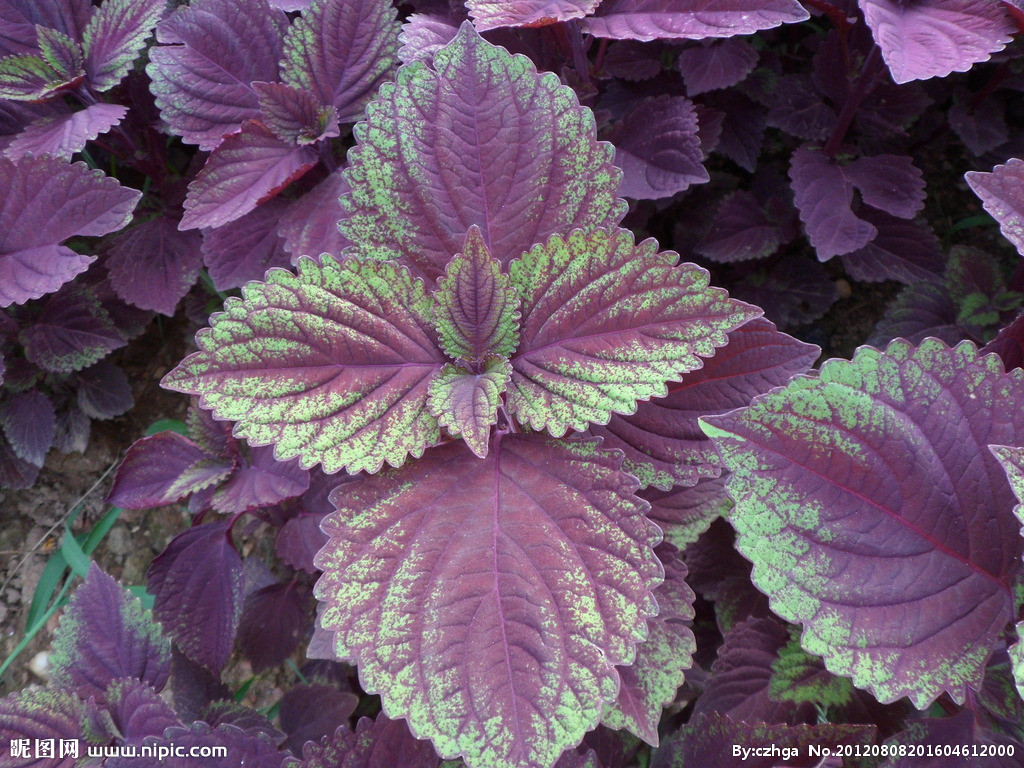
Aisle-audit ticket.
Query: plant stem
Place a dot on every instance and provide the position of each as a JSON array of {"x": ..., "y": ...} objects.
[{"x": 861, "y": 89}]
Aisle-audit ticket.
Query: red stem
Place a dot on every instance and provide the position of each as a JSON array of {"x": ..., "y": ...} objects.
[{"x": 860, "y": 91}]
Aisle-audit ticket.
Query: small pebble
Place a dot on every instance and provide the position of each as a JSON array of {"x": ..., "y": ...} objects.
[
  {"x": 844, "y": 289},
  {"x": 40, "y": 665}
]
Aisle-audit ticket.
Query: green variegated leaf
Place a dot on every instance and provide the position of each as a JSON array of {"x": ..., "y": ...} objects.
[
  {"x": 331, "y": 365},
  {"x": 478, "y": 310},
  {"x": 25, "y": 77},
  {"x": 480, "y": 138},
  {"x": 1012, "y": 461},
  {"x": 466, "y": 403},
  {"x": 608, "y": 322},
  {"x": 801, "y": 677},
  {"x": 61, "y": 52}
]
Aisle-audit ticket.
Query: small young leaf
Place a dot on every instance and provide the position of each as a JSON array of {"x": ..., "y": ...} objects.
[
  {"x": 295, "y": 116},
  {"x": 310, "y": 225},
  {"x": 26, "y": 77},
  {"x": 246, "y": 169},
  {"x": 62, "y": 53},
  {"x": 262, "y": 481},
  {"x": 105, "y": 634},
  {"x": 466, "y": 404},
  {"x": 891, "y": 183},
  {"x": 608, "y": 322},
  {"x": 477, "y": 312},
  {"x": 341, "y": 51},
  {"x": 272, "y": 624},
  {"x": 104, "y": 391},
  {"x": 332, "y": 365},
  {"x": 115, "y": 36}
]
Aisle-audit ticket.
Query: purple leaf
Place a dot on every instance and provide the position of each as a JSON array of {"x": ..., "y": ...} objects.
[
  {"x": 663, "y": 443},
  {"x": 658, "y": 149},
  {"x": 61, "y": 52},
  {"x": 310, "y": 225},
  {"x": 742, "y": 128},
  {"x": 67, "y": 16},
  {"x": 380, "y": 743},
  {"x": 29, "y": 423},
  {"x": 489, "y": 14},
  {"x": 212, "y": 436},
  {"x": 341, "y": 51},
  {"x": 311, "y": 712},
  {"x": 477, "y": 311},
  {"x": 246, "y": 169},
  {"x": 714, "y": 740},
  {"x": 197, "y": 585},
  {"x": 135, "y": 709},
  {"x": 823, "y": 196},
  {"x": 633, "y": 61},
  {"x": 889, "y": 182},
  {"x": 743, "y": 229},
  {"x": 933, "y": 736},
  {"x": 799, "y": 110},
  {"x": 466, "y": 403},
  {"x": 423, "y": 35},
  {"x": 261, "y": 482},
  {"x": 230, "y": 712},
  {"x": 72, "y": 333},
  {"x": 240, "y": 748},
  {"x": 981, "y": 127},
  {"x": 246, "y": 248},
  {"x": 214, "y": 50},
  {"x": 1002, "y": 195},
  {"x": 902, "y": 250},
  {"x": 295, "y": 116},
  {"x": 607, "y": 323},
  {"x": 921, "y": 310},
  {"x": 153, "y": 265},
  {"x": 164, "y": 468},
  {"x": 741, "y": 674},
  {"x": 1009, "y": 344},
  {"x": 684, "y": 513},
  {"x": 933, "y": 38},
  {"x": 272, "y": 624},
  {"x": 63, "y": 135},
  {"x": 661, "y": 660},
  {"x": 104, "y": 391},
  {"x": 350, "y": 390},
  {"x": 690, "y": 19},
  {"x": 715, "y": 65},
  {"x": 115, "y": 36},
  {"x": 106, "y": 634},
  {"x": 496, "y": 587},
  {"x": 299, "y": 540},
  {"x": 35, "y": 714},
  {"x": 46, "y": 202},
  {"x": 445, "y": 180},
  {"x": 872, "y": 535},
  {"x": 15, "y": 473}
]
